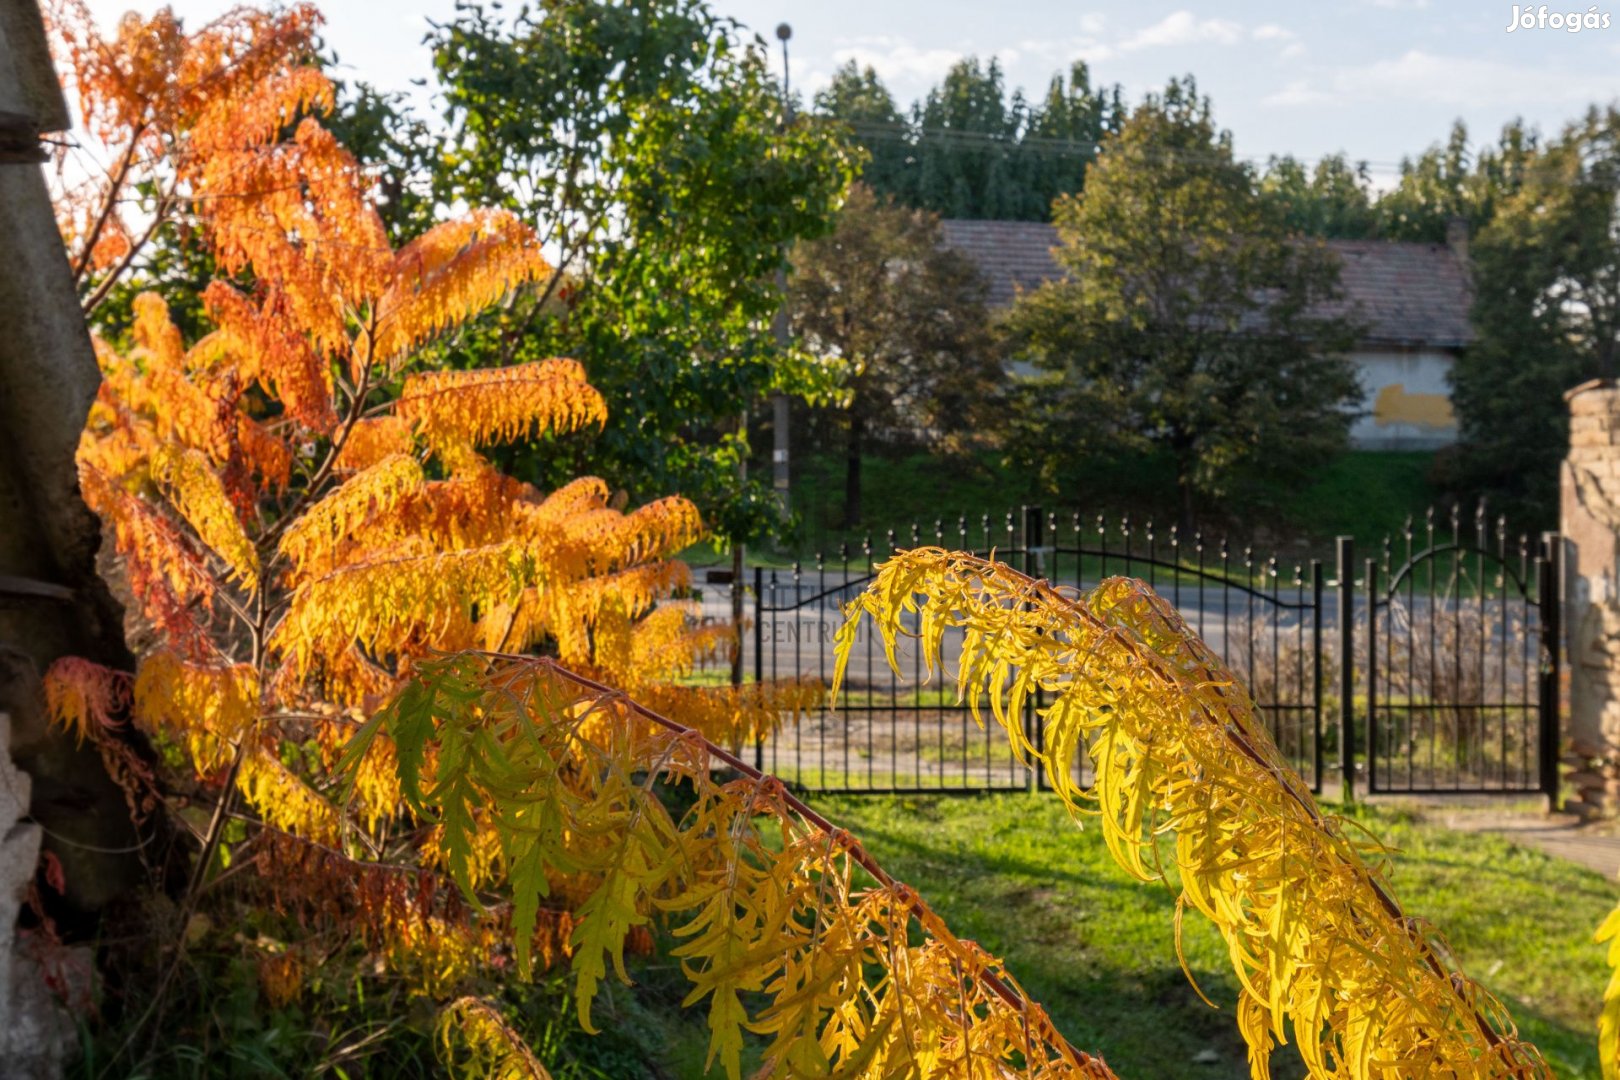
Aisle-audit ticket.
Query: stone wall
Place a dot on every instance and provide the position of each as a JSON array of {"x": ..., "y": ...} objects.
[{"x": 1590, "y": 502}]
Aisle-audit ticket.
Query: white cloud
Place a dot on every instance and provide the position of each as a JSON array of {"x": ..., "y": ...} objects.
[
  {"x": 1292, "y": 47},
  {"x": 1396, "y": 4},
  {"x": 812, "y": 82},
  {"x": 896, "y": 59},
  {"x": 1297, "y": 92},
  {"x": 1425, "y": 77},
  {"x": 1184, "y": 28},
  {"x": 1085, "y": 47}
]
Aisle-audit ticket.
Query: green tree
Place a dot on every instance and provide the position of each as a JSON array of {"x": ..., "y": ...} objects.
[
  {"x": 1189, "y": 321},
  {"x": 651, "y": 145},
  {"x": 1450, "y": 182},
  {"x": 967, "y": 142},
  {"x": 907, "y": 316},
  {"x": 1061, "y": 136},
  {"x": 968, "y": 150},
  {"x": 857, "y": 97},
  {"x": 1332, "y": 199},
  {"x": 1547, "y": 310}
]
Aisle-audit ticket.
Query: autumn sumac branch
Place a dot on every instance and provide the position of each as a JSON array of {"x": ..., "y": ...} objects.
[
  {"x": 476, "y": 1043},
  {"x": 176, "y": 115},
  {"x": 1320, "y": 948},
  {"x": 299, "y": 514},
  {"x": 785, "y": 926}
]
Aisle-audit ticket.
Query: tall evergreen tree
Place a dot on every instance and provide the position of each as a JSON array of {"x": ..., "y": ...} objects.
[
  {"x": 1332, "y": 199},
  {"x": 967, "y": 136},
  {"x": 1449, "y": 182},
  {"x": 858, "y": 97},
  {"x": 1062, "y": 134},
  {"x": 968, "y": 149}
]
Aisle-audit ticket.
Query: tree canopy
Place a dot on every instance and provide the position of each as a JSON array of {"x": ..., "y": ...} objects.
[
  {"x": 1190, "y": 321},
  {"x": 968, "y": 149},
  {"x": 907, "y": 316},
  {"x": 651, "y": 146},
  {"x": 1547, "y": 311},
  {"x": 1332, "y": 198}
]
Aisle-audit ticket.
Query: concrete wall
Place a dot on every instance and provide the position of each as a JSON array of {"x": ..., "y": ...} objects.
[
  {"x": 1408, "y": 400},
  {"x": 51, "y": 601}
]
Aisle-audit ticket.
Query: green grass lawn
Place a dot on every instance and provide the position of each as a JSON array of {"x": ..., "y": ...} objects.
[
  {"x": 1367, "y": 494},
  {"x": 1096, "y": 947}
]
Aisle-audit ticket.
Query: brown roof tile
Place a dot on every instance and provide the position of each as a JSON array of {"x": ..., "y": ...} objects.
[
  {"x": 1013, "y": 254},
  {"x": 1414, "y": 295}
]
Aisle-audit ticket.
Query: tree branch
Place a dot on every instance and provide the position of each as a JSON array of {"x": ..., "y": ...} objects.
[
  {"x": 125, "y": 164},
  {"x": 908, "y": 898}
]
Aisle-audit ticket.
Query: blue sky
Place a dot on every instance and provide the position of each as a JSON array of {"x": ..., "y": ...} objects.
[{"x": 1379, "y": 79}]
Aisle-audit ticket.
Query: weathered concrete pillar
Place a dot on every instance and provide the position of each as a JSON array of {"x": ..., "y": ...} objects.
[
  {"x": 1590, "y": 512},
  {"x": 51, "y": 601},
  {"x": 36, "y": 1034}
]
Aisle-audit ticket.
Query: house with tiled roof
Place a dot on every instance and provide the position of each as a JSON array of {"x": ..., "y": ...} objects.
[{"x": 1412, "y": 300}]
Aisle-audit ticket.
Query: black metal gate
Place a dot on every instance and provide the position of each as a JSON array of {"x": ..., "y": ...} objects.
[
  {"x": 902, "y": 732},
  {"x": 1436, "y": 668},
  {"x": 1457, "y": 642},
  {"x": 889, "y": 732}
]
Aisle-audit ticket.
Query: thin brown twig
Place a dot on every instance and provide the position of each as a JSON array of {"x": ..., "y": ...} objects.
[
  {"x": 159, "y": 217},
  {"x": 125, "y": 164}
]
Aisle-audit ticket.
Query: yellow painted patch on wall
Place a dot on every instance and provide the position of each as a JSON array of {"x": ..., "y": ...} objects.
[{"x": 1395, "y": 406}]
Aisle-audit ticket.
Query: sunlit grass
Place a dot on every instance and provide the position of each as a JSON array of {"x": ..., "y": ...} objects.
[{"x": 1096, "y": 947}]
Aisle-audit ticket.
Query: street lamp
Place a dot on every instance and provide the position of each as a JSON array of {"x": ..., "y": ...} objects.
[
  {"x": 784, "y": 34},
  {"x": 781, "y": 405},
  {"x": 781, "y": 418}
]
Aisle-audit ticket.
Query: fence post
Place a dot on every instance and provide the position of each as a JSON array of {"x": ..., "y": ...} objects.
[
  {"x": 1346, "y": 566},
  {"x": 1317, "y": 583},
  {"x": 759, "y": 657},
  {"x": 1551, "y": 589},
  {"x": 1034, "y": 520},
  {"x": 1370, "y": 572}
]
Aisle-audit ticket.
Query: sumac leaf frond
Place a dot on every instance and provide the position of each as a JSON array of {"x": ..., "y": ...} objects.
[{"x": 1320, "y": 948}]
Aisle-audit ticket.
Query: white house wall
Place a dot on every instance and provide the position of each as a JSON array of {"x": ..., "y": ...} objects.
[{"x": 1408, "y": 401}]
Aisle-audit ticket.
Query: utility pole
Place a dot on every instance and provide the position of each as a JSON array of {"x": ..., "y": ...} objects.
[
  {"x": 781, "y": 404},
  {"x": 781, "y": 414}
]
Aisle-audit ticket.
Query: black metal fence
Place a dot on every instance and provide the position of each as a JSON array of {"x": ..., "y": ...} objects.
[{"x": 1450, "y": 636}]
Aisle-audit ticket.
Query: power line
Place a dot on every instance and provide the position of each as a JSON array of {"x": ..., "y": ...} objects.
[
  {"x": 1055, "y": 146},
  {"x": 918, "y": 137}
]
